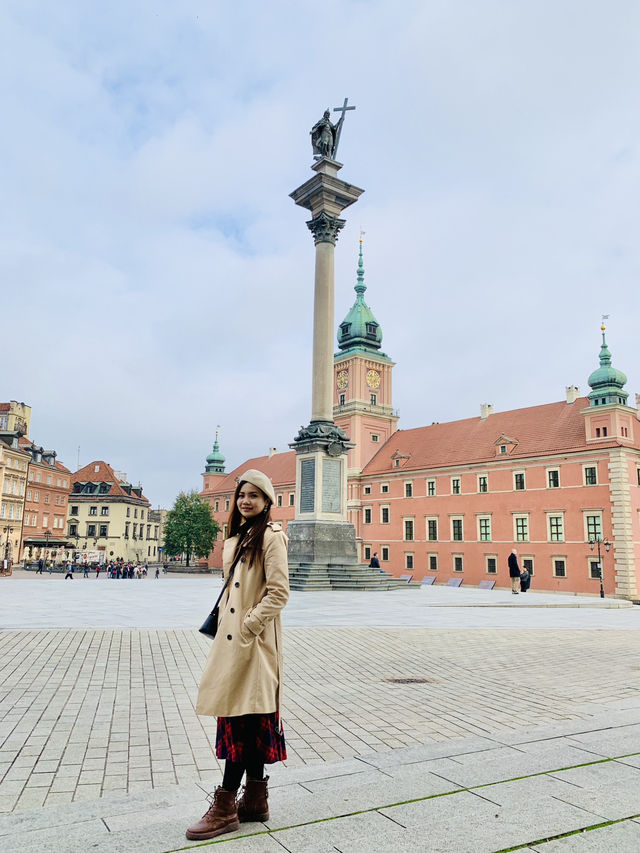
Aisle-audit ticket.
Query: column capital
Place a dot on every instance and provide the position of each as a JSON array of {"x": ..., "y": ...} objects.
[{"x": 325, "y": 228}]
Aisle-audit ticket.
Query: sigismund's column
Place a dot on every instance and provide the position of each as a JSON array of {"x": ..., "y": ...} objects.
[{"x": 320, "y": 533}]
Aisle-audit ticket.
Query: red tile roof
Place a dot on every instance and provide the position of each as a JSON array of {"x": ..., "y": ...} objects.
[
  {"x": 550, "y": 428},
  {"x": 104, "y": 474},
  {"x": 281, "y": 470},
  {"x": 5, "y": 407}
]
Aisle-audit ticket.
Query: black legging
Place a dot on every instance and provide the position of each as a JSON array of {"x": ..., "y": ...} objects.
[{"x": 234, "y": 771}]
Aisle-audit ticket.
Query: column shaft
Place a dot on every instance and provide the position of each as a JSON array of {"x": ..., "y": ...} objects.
[{"x": 323, "y": 312}]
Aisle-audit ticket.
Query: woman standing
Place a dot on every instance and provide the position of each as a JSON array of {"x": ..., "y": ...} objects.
[{"x": 241, "y": 682}]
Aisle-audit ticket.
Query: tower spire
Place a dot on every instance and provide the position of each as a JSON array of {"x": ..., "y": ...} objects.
[
  {"x": 215, "y": 460},
  {"x": 360, "y": 330},
  {"x": 606, "y": 382}
]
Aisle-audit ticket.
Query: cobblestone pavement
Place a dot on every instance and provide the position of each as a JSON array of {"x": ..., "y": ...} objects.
[{"x": 91, "y": 713}]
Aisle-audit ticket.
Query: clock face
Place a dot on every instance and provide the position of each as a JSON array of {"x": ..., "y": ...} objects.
[
  {"x": 373, "y": 379},
  {"x": 343, "y": 379}
]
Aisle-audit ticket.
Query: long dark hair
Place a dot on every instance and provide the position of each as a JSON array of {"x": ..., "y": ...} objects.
[{"x": 251, "y": 531}]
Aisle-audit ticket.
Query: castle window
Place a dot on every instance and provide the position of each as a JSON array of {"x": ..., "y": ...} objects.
[
  {"x": 483, "y": 485},
  {"x": 522, "y": 528},
  {"x": 431, "y": 486},
  {"x": 375, "y": 437},
  {"x": 503, "y": 448},
  {"x": 484, "y": 529},
  {"x": 559, "y": 567},
  {"x": 292, "y": 498},
  {"x": 384, "y": 515},
  {"x": 384, "y": 553},
  {"x": 408, "y": 529},
  {"x": 432, "y": 529},
  {"x": 594, "y": 527},
  {"x": 216, "y": 506},
  {"x": 371, "y": 329},
  {"x": 518, "y": 481},
  {"x": 492, "y": 565},
  {"x": 345, "y": 327},
  {"x": 226, "y": 505},
  {"x": 594, "y": 570},
  {"x": 590, "y": 475},
  {"x": 367, "y": 515},
  {"x": 527, "y": 563},
  {"x": 373, "y": 398},
  {"x": 408, "y": 561},
  {"x": 456, "y": 529},
  {"x": 342, "y": 399},
  {"x": 553, "y": 479},
  {"x": 367, "y": 552},
  {"x": 458, "y": 565},
  {"x": 455, "y": 486},
  {"x": 279, "y": 500},
  {"x": 556, "y": 528},
  {"x": 433, "y": 562},
  {"x": 384, "y": 488},
  {"x": 367, "y": 489},
  {"x": 408, "y": 490}
]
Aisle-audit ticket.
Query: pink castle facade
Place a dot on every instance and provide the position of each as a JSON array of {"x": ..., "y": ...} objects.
[{"x": 453, "y": 499}]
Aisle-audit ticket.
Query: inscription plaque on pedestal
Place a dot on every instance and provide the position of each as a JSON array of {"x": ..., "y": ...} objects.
[
  {"x": 331, "y": 485},
  {"x": 307, "y": 485}
]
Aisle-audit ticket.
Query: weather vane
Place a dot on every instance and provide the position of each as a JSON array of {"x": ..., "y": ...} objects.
[{"x": 325, "y": 136}]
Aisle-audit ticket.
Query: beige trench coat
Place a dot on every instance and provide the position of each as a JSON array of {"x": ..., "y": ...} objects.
[{"x": 243, "y": 673}]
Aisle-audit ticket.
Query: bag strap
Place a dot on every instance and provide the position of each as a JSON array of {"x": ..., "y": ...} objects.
[{"x": 230, "y": 575}]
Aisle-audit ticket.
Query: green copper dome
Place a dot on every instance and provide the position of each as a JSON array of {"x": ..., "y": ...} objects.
[
  {"x": 215, "y": 460},
  {"x": 606, "y": 382},
  {"x": 360, "y": 329}
]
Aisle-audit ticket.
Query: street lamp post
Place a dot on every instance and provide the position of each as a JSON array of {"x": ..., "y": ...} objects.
[
  {"x": 8, "y": 531},
  {"x": 592, "y": 543},
  {"x": 47, "y": 537}
]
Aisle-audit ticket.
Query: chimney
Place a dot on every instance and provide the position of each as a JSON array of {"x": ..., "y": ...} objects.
[
  {"x": 272, "y": 451},
  {"x": 486, "y": 409},
  {"x": 573, "y": 392}
]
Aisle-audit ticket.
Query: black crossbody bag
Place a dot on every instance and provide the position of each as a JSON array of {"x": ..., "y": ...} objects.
[{"x": 210, "y": 625}]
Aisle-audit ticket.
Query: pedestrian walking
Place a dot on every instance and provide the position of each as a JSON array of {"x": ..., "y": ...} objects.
[
  {"x": 86, "y": 570},
  {"x": 40, "y": 566},
  {"x": 242, "y": 680},
  {"x": 69, "y": 573},
  {"x": 514, "y": 571},
  {"x": 157, "y": 572}
]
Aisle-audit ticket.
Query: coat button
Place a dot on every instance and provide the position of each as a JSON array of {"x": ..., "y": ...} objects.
[
  {"x": 232, "y": 610},
  {"x": 243, "y": 559},
  {"x": 236, "y": 583},
  {"x": 228, "y": 636}
]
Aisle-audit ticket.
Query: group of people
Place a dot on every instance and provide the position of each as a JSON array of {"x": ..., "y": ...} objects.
[{"x": 115, "y": 569}]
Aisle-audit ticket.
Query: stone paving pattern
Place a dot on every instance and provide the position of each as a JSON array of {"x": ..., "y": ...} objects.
[{"x": 509, "y": 737}]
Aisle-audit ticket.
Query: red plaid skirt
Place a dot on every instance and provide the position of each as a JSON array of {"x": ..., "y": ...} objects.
[{"x": 251, "y": 737}]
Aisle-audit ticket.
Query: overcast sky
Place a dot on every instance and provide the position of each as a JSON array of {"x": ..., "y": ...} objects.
[{"x": 157, "y": 280}]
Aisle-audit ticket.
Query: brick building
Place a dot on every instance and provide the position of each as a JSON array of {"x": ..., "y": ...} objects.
[{"x": 453, "y": 499}]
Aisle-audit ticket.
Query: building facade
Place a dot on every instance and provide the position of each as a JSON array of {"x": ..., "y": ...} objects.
[
  {"x": 44, "y": 530},
  {"x": 14, "y": 464},
  {"x": 109, "y": 516},
  {"x": 453, "y": 499}
]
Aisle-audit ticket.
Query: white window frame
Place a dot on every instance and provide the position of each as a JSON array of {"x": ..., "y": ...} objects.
[
  {"x": 455, "y": 557},
  {"x": 459, "y": 518},
  {"x": 555, "y": 514},
  {"x": 409, "y": 555},
  {"x": 431, "y": 554},
  {"x": 524, "y": 481},
  {"x": 488, "y": 557},
  {"x": 516, "y": 516},
  {"x": 484, "y": 477},
  {"x": 435, "y": 490},
  {"x": 405, "y": 519},
  {"x": 388, "y": 508},
  {"x": 457, "y": 480},
  {"x": 592, "y": 513},
  {"x": 408, "y": 485},
  {"x": 427, "y": 519},
  {"x": 584, "y": 474},
  {"x": 562, "y": 557},
  {"x": 366, "y": 509},
  {"x": 550, "y": 471},
  {"x": 484, "y": 517},
  {"x": 384, "y": 488},
  {"x": 384, "y": 549}
]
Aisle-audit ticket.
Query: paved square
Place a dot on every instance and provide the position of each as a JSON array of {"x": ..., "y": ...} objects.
[{"x": 94, "y": 714}]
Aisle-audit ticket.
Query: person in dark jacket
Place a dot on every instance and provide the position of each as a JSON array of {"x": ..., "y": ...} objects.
[
  {"x": 375, "y": 562},
  {"x": 514, "y": 571},
  {"x": 525, "y": 580}
]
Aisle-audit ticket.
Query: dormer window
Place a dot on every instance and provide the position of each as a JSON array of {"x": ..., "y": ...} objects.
[
  {"x": 372, "y": 329},
  {"x": 345, "y": 328},
  {"x": 503, "y": 448}
]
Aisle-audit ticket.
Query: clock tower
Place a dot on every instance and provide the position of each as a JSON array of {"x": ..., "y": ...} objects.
[{"x": 362, "y": 381}]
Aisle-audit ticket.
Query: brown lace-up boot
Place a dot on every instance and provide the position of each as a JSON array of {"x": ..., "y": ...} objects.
[
  {"x": 253, "y": 805},
  {"x": 221, "y": 817}
]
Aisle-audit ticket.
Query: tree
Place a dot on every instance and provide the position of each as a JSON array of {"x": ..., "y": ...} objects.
[{"x": 190, "y": 527}]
